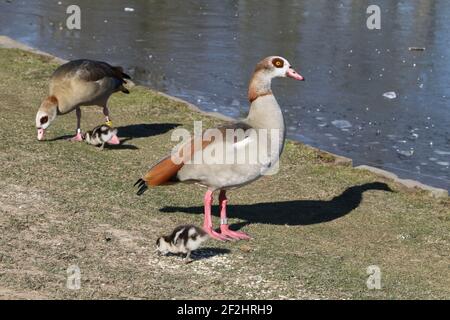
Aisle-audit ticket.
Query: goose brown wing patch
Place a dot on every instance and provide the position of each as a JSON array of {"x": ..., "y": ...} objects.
[
  {"x": 90, "y": 70},
  {"x": 162, "y": 172},
  {"x": 96, "y": 70},
  {"x": 165, "y": 171}
]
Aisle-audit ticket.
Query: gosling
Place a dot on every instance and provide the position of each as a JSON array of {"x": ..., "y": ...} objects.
[
  {"x": 100, "y": 135},
  {"x": 183, "y": 240}
]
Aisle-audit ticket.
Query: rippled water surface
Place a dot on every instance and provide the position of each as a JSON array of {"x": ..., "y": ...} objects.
[{"x": 205, "y": 52}]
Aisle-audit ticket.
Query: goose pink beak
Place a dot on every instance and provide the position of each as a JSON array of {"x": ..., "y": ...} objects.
[
  {"x": 114, "y": 140},
  {"x": 40, "y": 134},
  {"x": 291, "y": 73}
]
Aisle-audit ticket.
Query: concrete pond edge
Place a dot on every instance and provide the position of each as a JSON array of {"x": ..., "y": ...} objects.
[{"x": 6, "y": 42}]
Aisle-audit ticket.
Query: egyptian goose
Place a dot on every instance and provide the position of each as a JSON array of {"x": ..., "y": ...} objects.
[
  {"x": 80, "y": 83},
  {"x": 259, "y": 138}
]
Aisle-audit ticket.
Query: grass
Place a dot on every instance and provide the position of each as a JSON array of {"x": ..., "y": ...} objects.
[{"x": 316, "y": 226}]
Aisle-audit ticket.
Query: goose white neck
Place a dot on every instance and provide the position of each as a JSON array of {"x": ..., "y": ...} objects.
[
  {"x": 260, "y": 85},
  {"x": 265, "y": 113}
]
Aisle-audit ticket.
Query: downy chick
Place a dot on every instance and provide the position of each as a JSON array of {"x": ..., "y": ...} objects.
[
  {"x": 183, "y": 239},
  {"x": 100, "y": 135}
]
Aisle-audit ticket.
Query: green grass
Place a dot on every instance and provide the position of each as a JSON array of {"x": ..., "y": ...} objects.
[{"x": 316, "y": 226}]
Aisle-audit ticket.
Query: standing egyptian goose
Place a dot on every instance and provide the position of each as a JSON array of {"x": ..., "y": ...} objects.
[
  {"x": 257, "y": 141},
  {"x": 80, "y": 83}
]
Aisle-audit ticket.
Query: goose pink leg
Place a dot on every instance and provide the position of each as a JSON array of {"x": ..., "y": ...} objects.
[
  {"x": 114, "y": 139},
  {"x": 224, "y": 228},
  {"x": 207, "y": 224},
  {"x": 78, "y": 137}
]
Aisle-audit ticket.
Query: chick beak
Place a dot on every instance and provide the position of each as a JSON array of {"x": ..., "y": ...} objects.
[{"x": 114, "y": 140}]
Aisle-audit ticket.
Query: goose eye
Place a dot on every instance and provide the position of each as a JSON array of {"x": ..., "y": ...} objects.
[
  {"x": 277, "y": 62},
  {"x": 44, "y": 119}
]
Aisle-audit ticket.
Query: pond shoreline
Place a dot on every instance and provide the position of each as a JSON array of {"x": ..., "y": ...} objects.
[
  {"x": 6, "y": 42},
  {"x": 319, "y": 224}
]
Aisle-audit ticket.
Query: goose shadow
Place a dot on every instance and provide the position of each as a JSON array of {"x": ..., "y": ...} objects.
[
  {"x": 63, "y": 137},
  {"x": 296, "y": 212},
  {"x": 144, "y": 130},
  {"x": 132, "y": 131},
  {"x": 208, "y": 252},
  {"x": 203, "y": 253},
  {"x": 120, "y": 146}
]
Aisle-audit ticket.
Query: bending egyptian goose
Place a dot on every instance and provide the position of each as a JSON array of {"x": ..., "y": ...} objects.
[
  {"x": 232, "y": 155},
  {"x": 80, "y": 83}
]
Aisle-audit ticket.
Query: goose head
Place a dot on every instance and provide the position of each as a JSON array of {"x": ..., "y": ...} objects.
[
  {"x": 45, "y": 115},
  {"x": 276, "y": 66},
  {"x": 267, "y": 69}
]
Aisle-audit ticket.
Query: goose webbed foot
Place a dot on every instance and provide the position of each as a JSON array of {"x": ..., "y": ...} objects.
[
  {"x": 215, "y": 235},
  {"x": 236, "y": 235},
  {"x": 76, "y": 138}
]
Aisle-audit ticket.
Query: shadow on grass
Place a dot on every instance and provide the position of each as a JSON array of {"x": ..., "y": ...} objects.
[
  {"x": 296, "y": 212},
  {"x": 203, "y": 253},
  {"x": 208, "y": 252},
  {"x": 121, "y": 146},
  {"x": 64, "y": 137},
  {"x": 145, "y": 130},
  {"x": 132, "y": 131}
]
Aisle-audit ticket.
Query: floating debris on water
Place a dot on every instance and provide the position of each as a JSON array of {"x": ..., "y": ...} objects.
[
  {"x": 127, "y": 9},
  {"x": 405, "y": 153},
  {"x": 413, "y": 136},
  {"x": 416, "y": 48},
  {"x": 341, "y": 124},
  {"x": 390, "y": 95}
]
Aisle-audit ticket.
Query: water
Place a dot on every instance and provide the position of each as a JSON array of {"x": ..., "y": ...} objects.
[{"x": 205, "y": 52}]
